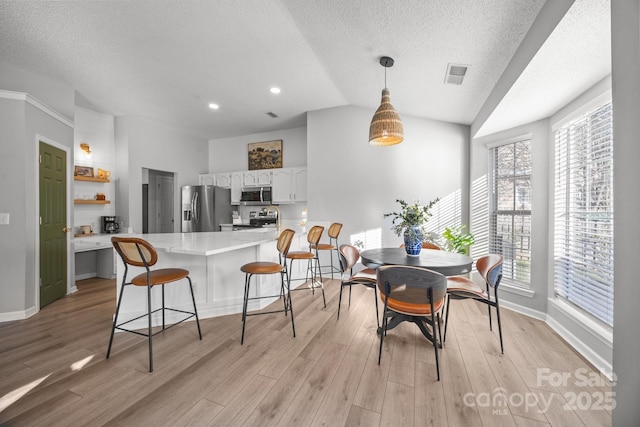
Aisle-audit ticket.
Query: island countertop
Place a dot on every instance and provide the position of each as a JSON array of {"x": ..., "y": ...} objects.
[{"x": 201, "y": 243}]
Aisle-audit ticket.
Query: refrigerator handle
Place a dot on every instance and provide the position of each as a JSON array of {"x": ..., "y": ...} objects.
[
  {"x": 194, "y": 206},
  {"x": 261, "y": 196}
]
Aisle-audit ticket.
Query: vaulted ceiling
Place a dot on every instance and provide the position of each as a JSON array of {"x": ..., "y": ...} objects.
[{"x": 168, "y": 60}]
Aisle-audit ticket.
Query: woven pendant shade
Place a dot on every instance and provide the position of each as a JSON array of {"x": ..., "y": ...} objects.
[{"x": 386, "y": 126}]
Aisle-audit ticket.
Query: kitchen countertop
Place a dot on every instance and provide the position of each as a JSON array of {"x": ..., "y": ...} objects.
[{"x": 204, "y": 244}]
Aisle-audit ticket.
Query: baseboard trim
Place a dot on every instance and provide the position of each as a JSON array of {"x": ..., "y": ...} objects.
[{"x": 17, "y": 315}]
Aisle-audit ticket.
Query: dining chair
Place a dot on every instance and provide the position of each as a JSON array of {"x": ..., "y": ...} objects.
[
  {"x": 427, "y": 245},
  {"x": 268, "y": 267},
  {"x": 459, "y": 287},
  {"x": 348, "y": 257},
  {"x": 333, "y": 232},
  {"x": 313, "y": 261},
  {"x": 139, "y": 253},
  {"x": 412, "y": 294}
]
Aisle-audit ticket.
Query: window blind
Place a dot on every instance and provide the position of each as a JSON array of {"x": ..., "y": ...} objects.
[
  {"x": 510, "y": 209},
  {"x": 583, "y": 229}
]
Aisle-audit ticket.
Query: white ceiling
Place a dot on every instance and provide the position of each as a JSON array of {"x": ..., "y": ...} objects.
[{"x": 168, "y": 60}]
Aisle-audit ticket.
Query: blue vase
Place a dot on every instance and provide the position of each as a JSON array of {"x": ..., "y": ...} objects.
[{"x": 413, "y": 246}]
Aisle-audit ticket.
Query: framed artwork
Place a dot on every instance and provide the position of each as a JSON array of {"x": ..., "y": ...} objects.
[
  {"x": 265, "y": 155},
  {"x": 83, "y": 171}
]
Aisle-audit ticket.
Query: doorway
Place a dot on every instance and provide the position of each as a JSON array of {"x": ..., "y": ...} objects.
[
  {"x": 53, "y": 223},
  {"x": 158, "y": 199}
]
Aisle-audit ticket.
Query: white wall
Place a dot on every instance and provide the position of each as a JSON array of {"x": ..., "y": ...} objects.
[
  {"x": 96, "y": 129},
  {"x": 22, "y": 123},
  {"x": 625, "y": 38},
  {"x": 355, "y": 183},
  {"x": 141, "y": 143},
  {"x": 231, "y": 154}
]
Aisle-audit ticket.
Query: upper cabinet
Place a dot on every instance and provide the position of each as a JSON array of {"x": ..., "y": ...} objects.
[
  {"x": 289, "y": 185},
  {"x": 236, "y": 187},
  {"x": 256, "y": 178},
  {"x": 223, "y": 180},
  {"x": 207, "y": 179}
]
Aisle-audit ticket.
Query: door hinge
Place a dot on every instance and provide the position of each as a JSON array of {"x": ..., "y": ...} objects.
[
  {"x": 40, "y": 157},
  {"x": 40, "y": 220}
]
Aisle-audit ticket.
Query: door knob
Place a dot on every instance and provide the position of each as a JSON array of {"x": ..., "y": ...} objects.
[{"x": 66, "y": 230}]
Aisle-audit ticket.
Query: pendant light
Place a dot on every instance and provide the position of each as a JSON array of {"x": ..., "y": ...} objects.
[{"x": 386, "y": 126}]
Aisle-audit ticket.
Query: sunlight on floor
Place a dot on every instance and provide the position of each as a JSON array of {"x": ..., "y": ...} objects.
[
  {"x": 13, "y": 396},
  {"x": 81, "y": 363}
]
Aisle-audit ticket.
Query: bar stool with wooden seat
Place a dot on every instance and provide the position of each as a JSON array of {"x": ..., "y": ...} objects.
[
  {"x": 333, "y": 233},
  {"x": 313, "y": 237},
  {"x": 267, "y": 267},
  {"x": 140, "y": 253}
]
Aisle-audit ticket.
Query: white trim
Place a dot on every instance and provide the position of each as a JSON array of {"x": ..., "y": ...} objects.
[
  {"x": 518, "y": 290},
  {"x": 527, "y": 311},
  {"x": 17, "y": 315},
  {"x": 510, "y": 140},
  {"x": 605, "y": 367},
  {"x": 70, "y": 273},
  {"x": 589, "y": 326},
  {"x": 7, "y": 94}
]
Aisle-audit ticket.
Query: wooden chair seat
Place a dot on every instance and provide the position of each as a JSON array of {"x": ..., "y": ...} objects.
[
  {"x": 366, "y": 275},
  {"x": 262, "y": 267},
  {"x": 323, "y": 247},
  {"x": 462, "y": 286},
  {"x": 160, "y": 277},
  {"x": 301, "y": 255},
  {"x": 412, "y": 309}
]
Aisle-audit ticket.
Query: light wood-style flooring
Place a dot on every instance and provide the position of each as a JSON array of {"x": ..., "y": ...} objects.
[{"x": 53, "y": 370}]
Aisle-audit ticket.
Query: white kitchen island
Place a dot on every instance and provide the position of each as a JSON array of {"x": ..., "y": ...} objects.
[{"x": 214, "y": 261}]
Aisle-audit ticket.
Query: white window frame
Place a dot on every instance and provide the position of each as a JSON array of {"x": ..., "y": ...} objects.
[
  {"x": 596, "y": 323},
  {"x": 513, "y": 285}
]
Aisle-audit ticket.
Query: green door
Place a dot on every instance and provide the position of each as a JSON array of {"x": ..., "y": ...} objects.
[{"x": 53, "y": 224}]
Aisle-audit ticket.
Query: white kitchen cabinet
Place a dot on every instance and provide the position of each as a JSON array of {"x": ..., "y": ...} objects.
[
  {"x": 249, "y": 179},
  {"x": 289, "y": 185},
  {"x": 257, "y": 178},
  {"x": 223, "y": 180},
  {"x": 207, "y": 179},
  {"x": 236, "y": 187},
  {"x": 299, "y": 184}
]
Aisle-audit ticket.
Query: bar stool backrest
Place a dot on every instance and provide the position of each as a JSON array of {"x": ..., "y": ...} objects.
[
  {"x": 135, "y": 251},
  {"x": 284, "y": 241},
  {"x": 314, "y": 234},
  {"x": 334, "y": 230}
]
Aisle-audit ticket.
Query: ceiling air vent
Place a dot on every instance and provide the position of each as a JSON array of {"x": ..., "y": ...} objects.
[
  {"x": 272, "y": 115},
  {"x": 455, "y": 74}
]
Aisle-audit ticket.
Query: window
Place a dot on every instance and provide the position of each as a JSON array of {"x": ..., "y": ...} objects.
[
  {"x": 583, "y": 230},
  {"x": 510, "y": 209}
]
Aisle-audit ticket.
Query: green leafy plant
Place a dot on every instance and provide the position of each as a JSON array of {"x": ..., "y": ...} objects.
[
  {"x": 456, "y": 240},
  {"x": 410, "y": 216}
]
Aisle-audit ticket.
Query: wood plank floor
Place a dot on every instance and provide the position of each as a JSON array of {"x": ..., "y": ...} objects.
[{"x": 53, "y": 370}]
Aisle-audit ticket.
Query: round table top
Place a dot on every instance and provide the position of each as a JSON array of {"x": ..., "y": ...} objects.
[{"x": 446, "y": 263}]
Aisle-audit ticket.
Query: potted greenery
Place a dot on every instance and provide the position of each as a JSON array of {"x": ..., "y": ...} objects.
[
  {"x": 456, "y": 240},
  {"x": 410, "y": 222}
]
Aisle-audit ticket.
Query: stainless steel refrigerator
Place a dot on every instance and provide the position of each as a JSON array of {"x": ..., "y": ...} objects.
[{"x": 205, "y": 207}]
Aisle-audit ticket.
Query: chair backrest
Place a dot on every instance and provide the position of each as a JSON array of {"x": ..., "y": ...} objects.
[
  {"x": 429, "y": 245},
  {"x": 410, "y": 284},
  {"x": 334, "y": 230},
  {"x": 314, "y": 234},
  {"x": 349, "y": 255},
  {"x": 284, "y": 241},
  {"x": 490, "y": 268},
  {"x": 135, "y": 251}
]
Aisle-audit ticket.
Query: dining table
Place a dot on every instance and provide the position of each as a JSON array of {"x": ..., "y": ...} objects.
[{"x": 443, "y": 262}]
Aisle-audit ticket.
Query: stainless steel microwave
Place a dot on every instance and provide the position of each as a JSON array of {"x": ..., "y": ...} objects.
[{"x": 254, "y": 196}]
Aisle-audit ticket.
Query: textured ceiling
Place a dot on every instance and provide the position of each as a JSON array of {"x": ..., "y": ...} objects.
[
  {"x": 575, "y": 57},
  {"x": 167, "y": 60}
]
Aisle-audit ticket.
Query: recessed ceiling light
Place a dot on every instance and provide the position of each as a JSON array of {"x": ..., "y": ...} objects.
[
  {"x": 214, "y": 106},
  {"x": 275, "y": 90}
]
